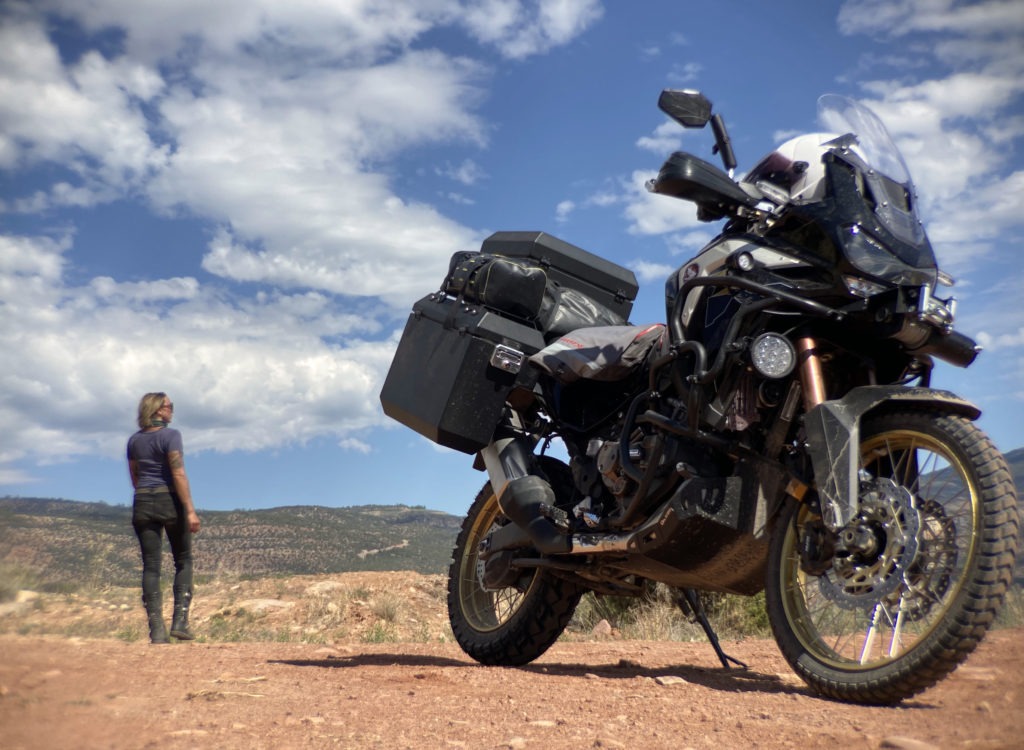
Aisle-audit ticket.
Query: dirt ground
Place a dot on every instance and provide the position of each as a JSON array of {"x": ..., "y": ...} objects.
[{"x": 104, "y": 693}]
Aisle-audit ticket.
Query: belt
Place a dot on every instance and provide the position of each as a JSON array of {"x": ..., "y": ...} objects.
[{"x": 162, "y": 489}]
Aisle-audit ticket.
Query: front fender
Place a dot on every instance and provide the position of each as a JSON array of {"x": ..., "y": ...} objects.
[{"x": 833, "y": 440}]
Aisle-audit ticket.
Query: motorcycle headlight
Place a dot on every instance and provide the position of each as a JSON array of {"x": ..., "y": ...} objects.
[{"x": 772, "y": 355}]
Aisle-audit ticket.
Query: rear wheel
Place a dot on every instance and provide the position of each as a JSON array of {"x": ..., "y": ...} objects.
[
  {"x": 506, "y": 625},
  {"x": 903, "y": 594}
]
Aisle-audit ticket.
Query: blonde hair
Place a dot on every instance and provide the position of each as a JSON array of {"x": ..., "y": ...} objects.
[{"x": 148, "y": 406}]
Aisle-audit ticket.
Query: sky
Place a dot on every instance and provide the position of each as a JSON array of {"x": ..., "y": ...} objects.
[{"x": 238, "y": 202}]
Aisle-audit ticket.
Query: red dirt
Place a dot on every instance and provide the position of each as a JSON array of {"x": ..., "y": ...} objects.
[{"x": 92, "y": 693}]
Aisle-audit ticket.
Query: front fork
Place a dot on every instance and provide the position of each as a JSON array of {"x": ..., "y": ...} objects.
[
  {"x": 812, "y": 378},
  {"x": 833, "y": 429}
]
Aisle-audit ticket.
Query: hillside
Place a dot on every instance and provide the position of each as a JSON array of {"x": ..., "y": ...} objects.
[{"x": 69, "y": 544}]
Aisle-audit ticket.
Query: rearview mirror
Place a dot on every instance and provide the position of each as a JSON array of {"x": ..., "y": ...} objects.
[{"x": 691, "y": 109}]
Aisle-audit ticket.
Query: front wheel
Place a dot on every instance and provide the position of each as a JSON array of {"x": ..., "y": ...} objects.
[
  {"x": 903, "y": 594},
  {"x": 514, "y": 622}
]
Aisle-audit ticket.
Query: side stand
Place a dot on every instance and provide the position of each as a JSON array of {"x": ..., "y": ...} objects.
[{"x": 690, "y": 604}]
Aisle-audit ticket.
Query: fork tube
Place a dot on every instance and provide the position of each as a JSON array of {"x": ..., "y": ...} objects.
[
  {"x": 811, "y": 377},
  {"x": 896, "y": 645},
  {"x": 872, "y": 634}
]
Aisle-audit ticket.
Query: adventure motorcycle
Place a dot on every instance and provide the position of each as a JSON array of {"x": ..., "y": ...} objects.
[{"x": 779, "y": 434}]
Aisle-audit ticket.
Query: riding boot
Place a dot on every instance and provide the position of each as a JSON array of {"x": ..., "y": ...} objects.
[
  {"x": 179, "y": 625},
  {"x": 154, "y": 611}
]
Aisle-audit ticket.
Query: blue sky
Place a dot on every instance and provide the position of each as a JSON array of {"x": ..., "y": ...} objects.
[{"x": 237, "y": 202}]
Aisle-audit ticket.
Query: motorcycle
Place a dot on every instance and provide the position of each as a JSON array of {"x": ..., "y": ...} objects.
[{"x": 780, "y": 433}]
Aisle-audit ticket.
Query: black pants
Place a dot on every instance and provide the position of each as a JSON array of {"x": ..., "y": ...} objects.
[{"x": 153, "y": 513}]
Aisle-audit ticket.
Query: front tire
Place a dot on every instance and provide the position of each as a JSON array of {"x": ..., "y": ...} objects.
[
  {"x": 512, "y": 625},
  {"x": 880, "y": 628}
]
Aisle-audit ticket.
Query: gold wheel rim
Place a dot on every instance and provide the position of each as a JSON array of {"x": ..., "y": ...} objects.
[{"x": 484, "y": 609}]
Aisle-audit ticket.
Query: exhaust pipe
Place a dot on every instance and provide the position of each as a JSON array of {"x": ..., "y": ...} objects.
[{"x": 527, "y": 502}]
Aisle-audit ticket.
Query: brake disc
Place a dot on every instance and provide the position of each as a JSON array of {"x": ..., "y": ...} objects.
[
  {"x": 928, "y": 578},
  {"x": 888, "y": 511}
]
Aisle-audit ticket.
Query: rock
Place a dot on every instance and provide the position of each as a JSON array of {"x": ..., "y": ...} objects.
[
  {"x": 323, "y": 587},
  {"x": 906, "y": 743},
  {"x": 981, "y": 674},
  {"x": 23, "y": 602},
  {"x": 670, "y": 680},
  {"x": 262, "y": 606},
  {"x": 603, "y": 629}
]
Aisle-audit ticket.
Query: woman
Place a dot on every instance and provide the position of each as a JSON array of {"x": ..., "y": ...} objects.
[{"x": 163, "y": 502}]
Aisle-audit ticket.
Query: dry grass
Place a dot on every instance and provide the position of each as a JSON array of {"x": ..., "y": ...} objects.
[
  {"x": 372, "y": 607},
  {"x": 655, "y": 616}
]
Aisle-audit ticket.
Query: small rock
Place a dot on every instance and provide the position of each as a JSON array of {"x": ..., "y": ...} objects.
[
  {"x": 905, "y": 743},
  {"x": 262, "y": 606},
  {"x": 323, "y": 587},
  {"x": 670, "y": 680},
  {"x": 603, "y": 629},
  {"x": 981, "y": 674}
]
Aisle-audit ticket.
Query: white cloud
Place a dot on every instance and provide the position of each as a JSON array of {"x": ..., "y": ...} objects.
[
  {"x": 667, "y": 137},
  {"x": 275, "y": 122},
  {"x": 355, "y": 445},
  {"x": 564, "y": 210},
  {"x": 521, "y": 29},
  {"x": 85, "y": 116},
  {"x": 1001, "y": 341},
  {"x": 86, "y": 354},
  {"x": 902, "y": 17},
  {"x": 685, "y": 73},
  {"x": 955, "y": 131},
  {"x": 650, "y": 213},
  {"x": 278, "y": 124},
  {"x": 468, "y": 172},
  {"x": 647, "y": 272}
]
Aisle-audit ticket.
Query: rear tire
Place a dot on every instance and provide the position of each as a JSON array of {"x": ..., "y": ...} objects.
[
  {"x": 510, "y": 626},
  {"x": 880, "y": 630}
]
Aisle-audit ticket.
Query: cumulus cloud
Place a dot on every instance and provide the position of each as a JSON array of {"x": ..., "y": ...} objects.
[
  {"x": 648, "y": 272},
  {"x": 86, "y": 352},
  {"x": 468, "y": 172},
  {"x": 564, "y": 210},
  {"x": 902, "y": 17},
  {"x": 521, "y": 29},
  {"x": 650, "y": 213},
  {"x": 956, "y": 130},
  {"x": 667, "y": 137},
  {"x": 278, "y": 126}
]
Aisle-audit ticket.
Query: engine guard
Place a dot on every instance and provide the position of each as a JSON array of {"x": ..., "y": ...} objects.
[{"x": 833, "y": 440}]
